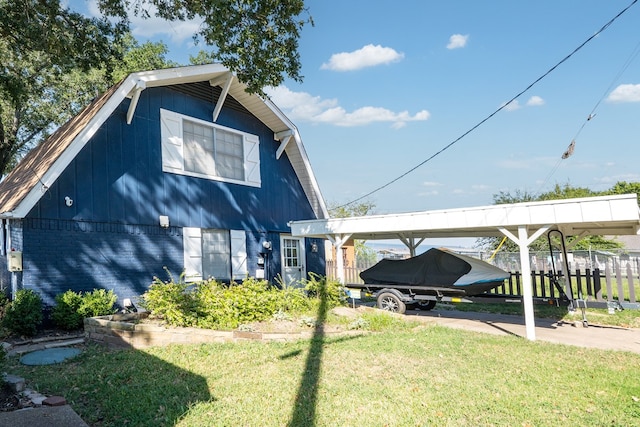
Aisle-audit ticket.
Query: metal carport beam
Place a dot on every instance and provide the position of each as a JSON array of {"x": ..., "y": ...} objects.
[{"x": 523, "y": 241}]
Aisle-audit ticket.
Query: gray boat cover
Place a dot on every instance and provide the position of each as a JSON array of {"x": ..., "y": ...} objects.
[{"x": 437, "y": 268}]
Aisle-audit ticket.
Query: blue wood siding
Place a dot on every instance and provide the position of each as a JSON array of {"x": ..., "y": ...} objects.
[
  {"x": 110, "y": 237},
  {"x": 118, "y": 177}
]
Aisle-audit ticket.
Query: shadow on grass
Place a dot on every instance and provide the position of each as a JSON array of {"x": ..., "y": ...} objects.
[
  {"x": 124, "y": 387},
  {"x": 304, "y": 411}
]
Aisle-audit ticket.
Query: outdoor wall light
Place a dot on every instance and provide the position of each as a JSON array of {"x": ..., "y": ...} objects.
[
  {"x": 68, "y": 201},
  {"x": 314, "y": 247},
  {"x": 164, "y": 221},
  {"x": 267, "y": 245}
]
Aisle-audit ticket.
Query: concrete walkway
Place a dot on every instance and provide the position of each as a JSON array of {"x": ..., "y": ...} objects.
[{"x": 593, "y": 336}]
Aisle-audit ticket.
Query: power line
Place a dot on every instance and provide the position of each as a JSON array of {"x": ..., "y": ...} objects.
[
  {"x": 446, "y": 147},
  {"x": 591, "y": 115}
]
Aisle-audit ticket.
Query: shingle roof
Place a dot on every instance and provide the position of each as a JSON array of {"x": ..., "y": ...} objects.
[{"x": 26, "y": 176}]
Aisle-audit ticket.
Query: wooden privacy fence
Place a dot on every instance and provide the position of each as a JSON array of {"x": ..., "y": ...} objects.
[{"x": 615, "y": 283}]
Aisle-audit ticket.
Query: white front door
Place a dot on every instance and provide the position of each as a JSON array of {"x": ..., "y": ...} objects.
[{"x": 293, "y": 268}]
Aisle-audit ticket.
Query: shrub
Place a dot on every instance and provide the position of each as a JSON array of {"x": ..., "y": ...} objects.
[
  {"x": 331, "y": 292},
  {"x": 169, "y": 301},
  {"x": 24, "y": 314},
  {"x": 66, "y": 313},
  {"x": 211, "y": 304},
  {"x": 98, "y": 302}
]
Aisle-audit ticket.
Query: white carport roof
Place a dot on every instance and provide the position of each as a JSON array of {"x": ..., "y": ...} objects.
[
  {"x": 521, "y": 222},
  {"x": 605, "y": 215}
]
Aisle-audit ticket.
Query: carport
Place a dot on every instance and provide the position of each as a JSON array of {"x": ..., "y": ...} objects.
[{"x": 521, "y": 222}]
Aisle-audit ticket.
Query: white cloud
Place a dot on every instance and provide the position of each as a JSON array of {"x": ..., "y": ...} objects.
[
  {"x": 457, "y": 41},
  {"x": 301, "y": 106},
  {"x": 534, "y": 101},
  {"x": 368, "y": 56},
  {"x": 625, "y": 93},
  {"x": 431, "y": 184},
  {"x": 177, "y": 31},
  {"x": 512, "y": 106}
]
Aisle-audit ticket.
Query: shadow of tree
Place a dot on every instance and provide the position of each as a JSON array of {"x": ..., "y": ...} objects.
[{"x": 125, "y": 387}]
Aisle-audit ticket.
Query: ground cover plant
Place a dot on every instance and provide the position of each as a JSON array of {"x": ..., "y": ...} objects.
[{"x": 408, "y": 374}]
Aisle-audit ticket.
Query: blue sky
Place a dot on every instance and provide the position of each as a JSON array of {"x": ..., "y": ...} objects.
[{"x": 388, "y": 84}]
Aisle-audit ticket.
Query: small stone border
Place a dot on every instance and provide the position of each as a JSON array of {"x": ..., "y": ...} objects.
[{"x": 126, "y": 331}]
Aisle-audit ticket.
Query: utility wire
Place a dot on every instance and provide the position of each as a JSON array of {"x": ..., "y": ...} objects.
[
  {"x": 446, "y": 147},
  {"x": 591, "y": 115}
]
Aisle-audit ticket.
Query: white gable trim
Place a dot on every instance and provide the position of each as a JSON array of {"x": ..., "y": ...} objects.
[
  {"x": 263, "y": 109},
  {"x": 74, "y": 148}
]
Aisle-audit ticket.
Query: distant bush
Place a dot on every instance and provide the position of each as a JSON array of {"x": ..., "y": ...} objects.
[
  {"x": 24, "y": 314},
  {"x": 72, "y": 307}
]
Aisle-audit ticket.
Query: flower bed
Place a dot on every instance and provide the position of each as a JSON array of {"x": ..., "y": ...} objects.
[{"x": 133, "y": 331}]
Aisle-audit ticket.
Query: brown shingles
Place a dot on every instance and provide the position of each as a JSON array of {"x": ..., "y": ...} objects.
[{"x": 27, "y": 174}]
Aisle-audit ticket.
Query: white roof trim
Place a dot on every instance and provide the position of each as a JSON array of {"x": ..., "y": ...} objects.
[{"x": 263, "y": 109}]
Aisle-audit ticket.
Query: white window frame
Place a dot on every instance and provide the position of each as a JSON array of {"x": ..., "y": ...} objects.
[
  {"x": 193, "y": 254},
  {"x": 171, "y": 130}
]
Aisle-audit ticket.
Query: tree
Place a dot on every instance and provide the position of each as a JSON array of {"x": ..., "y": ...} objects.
[
  {"x": 565, "y": 191},
  {"x": 256, "y": 39},
  {"x": 55, "y": 60},
  {"x": 364, "y": 254},
  {"x": 48, "y": 97}
]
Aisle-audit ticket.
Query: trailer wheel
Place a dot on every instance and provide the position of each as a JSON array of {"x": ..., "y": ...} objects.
[{"x": 391, "y": 302}]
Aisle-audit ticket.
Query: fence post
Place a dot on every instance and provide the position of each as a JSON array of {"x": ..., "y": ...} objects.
[
  {"x": 632, "y": 289},
  {"x": 607, "y": 274},
  {"x": 619, "y": 283}
]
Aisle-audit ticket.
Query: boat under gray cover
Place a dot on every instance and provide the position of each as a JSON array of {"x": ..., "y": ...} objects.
[{"x": 438, "y": 268}]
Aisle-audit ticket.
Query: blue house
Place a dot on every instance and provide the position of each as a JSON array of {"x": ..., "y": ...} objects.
[{"x": 176, "y": 170}]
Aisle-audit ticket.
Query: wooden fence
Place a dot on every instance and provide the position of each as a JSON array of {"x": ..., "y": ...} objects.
[{"x": 615, "y": 283}]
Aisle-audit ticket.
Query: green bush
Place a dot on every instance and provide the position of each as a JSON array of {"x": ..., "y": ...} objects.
[
  {"x": 72, "y": 307},
  {"x": 211, "y": 304},
  {"x": 98, "y": 302},
  {"x": 24, "y": 314},
  {"x": 169, "y": 301},
  {"x": 331, "y": 292},
  {"x": 66, "y": 313}
]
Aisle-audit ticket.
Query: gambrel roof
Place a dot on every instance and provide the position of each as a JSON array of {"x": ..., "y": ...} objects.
[{"x": 39, "y": 169}]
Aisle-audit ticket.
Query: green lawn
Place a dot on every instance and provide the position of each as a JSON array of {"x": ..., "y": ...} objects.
[{"x": 408, "y": 374}]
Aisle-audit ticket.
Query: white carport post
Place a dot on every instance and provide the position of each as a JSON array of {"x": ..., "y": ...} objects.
[
  {"x": 338, "y": 241},
  {"x": 523, "y": 243}
]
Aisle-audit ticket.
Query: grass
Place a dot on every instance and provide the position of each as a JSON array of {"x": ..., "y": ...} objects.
[{"x": 407, "y": 374}]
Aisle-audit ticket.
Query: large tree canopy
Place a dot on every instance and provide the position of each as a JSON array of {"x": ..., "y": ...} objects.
[
  {"x": 256, "y": 39},
  {"x": 55, "y": 60}
]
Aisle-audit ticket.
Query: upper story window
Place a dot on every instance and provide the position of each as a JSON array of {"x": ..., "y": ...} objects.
[{"x": 198, "y": 148}]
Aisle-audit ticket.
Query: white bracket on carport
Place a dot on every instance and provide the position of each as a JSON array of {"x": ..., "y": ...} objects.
[
  {"x": 338, "y": 241},
  {"x": 410, "y": 242},
  {"x": 523, "y": 241}
]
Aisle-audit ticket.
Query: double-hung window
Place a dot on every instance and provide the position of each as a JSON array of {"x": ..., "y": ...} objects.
[
  {"x": 206, "y": 150},
  {"x": 214, "y": 253}
]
